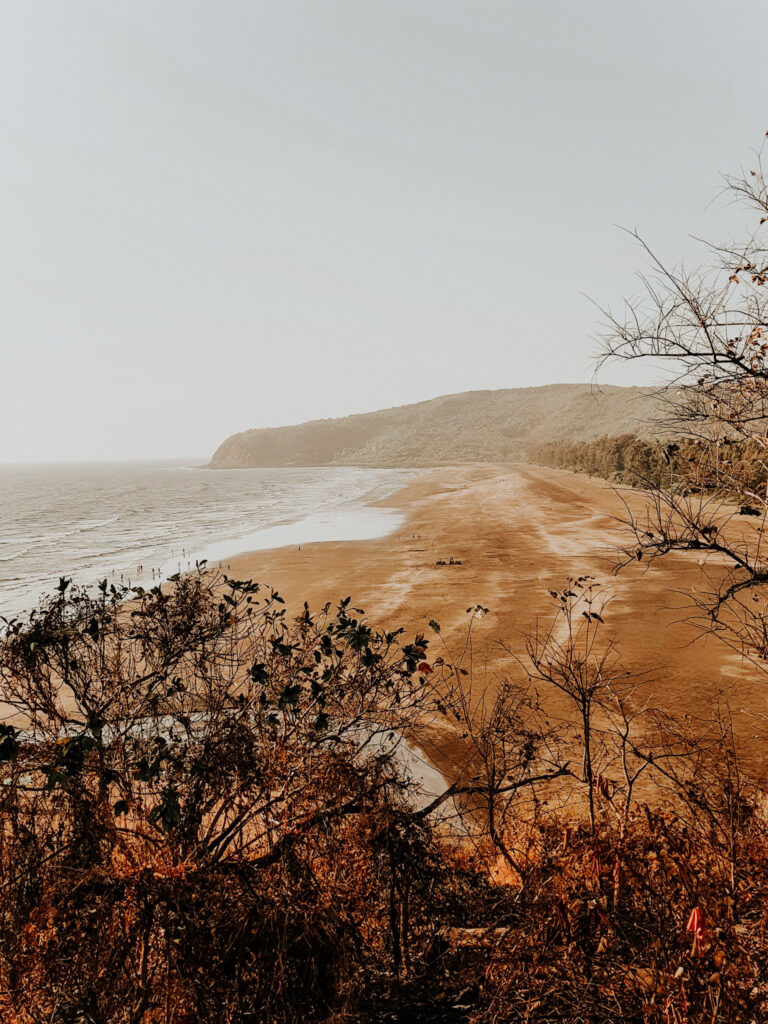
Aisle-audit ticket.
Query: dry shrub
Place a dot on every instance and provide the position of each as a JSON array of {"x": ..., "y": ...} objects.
[
  {"x": 204, "y": 813},
  {"x": 205, "y": 816},
  {"x": 602, "y": 932}
]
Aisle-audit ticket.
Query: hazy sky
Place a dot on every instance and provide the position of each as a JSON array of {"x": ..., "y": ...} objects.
[{"x": 219, "y": 215}]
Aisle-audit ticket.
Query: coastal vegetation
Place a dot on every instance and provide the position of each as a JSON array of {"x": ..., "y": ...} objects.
[
  {"x": 210, "y": 812},
  {"x": 623, "y": 459},
  {"x": 737, "y": 469}
]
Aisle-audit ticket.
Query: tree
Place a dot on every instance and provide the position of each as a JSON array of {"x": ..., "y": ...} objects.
[
  {"x": 202, "y": 797},
  {"x": 708, "y": 329}
]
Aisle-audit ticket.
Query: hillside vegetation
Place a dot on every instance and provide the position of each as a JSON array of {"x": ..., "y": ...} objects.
[
  {"x": 738, "y": 475},
  {"x": 476, "y": 426}
]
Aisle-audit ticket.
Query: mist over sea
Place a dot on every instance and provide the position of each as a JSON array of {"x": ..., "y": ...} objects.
[{"x": 88, "y": 521}]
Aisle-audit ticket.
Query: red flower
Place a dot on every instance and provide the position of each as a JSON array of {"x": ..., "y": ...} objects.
[
  {"x": 424, "y": 668},
  {"x": 697, "y": 923}
]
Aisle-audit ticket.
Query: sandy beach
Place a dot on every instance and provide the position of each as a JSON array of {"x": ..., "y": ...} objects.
[{"x": 519, "y": 531}]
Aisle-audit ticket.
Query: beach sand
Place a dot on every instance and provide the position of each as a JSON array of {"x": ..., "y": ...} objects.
[{"x": 519, "y": 531}]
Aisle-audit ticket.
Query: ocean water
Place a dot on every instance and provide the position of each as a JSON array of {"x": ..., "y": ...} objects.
[{"x": 89, "y": 521}]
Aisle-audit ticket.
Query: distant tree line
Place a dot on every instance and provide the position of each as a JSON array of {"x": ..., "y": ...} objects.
[
  {"x": 623, "y": 459},
  {"x": 688, "y": 464}
]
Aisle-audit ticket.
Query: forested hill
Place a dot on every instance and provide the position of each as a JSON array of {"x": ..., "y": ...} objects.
[{"x": 476, "y": 426}]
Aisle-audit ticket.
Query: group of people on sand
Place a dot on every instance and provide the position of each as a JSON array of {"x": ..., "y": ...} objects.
[{"x": 451, "y": 561}]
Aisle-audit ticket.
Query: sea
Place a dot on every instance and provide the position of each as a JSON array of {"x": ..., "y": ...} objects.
[{"x": 141, "y": 522}]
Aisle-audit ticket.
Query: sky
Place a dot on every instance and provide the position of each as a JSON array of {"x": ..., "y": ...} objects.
[{"x": 217, "y": 216}]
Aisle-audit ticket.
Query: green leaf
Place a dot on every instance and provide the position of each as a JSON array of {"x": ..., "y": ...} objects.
[
  {"x": 259, "y": 673},
  {"x": 95, "y": 724},
  {"x": 55, "y": 778},
  {"x": 290, "y": 695},
  {"x": 167, "y": 814},
  {"x": 9, "y": 743},
  {"x": 147, "y": 770}
]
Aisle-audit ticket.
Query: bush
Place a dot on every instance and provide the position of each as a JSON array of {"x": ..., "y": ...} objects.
[{"x": 206, "y": 815}]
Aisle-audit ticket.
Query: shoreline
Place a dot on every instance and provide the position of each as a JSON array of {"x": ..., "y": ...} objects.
[
  {"x": 364, "y": 518},
  {"x": 144, "y": 524}
]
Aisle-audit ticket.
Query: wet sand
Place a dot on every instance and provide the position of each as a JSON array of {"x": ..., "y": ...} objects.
[{"x": 519, "y": 531}]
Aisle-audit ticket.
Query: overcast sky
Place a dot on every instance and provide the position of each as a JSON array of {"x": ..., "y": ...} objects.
[{"x": 221, "y": 215}]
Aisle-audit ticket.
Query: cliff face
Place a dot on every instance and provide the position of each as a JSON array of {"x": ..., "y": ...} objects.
[{"x": 476, "y": 426}]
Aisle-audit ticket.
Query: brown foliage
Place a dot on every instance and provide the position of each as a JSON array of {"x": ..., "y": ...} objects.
[{"x": 207, "y": 813}]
